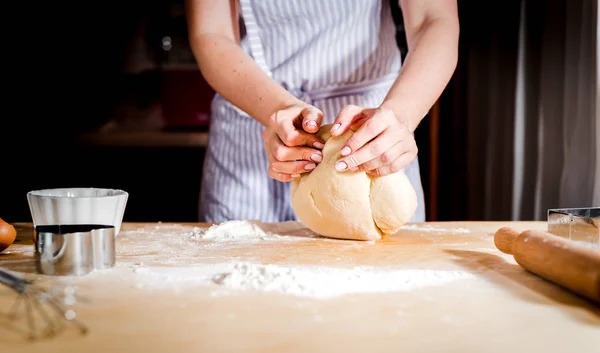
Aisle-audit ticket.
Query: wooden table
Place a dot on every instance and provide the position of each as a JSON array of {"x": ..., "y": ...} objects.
[{"x": 155, "y": 300}]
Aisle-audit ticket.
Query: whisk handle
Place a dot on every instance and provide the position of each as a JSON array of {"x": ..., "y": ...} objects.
[{"x": 12, "y": 280}]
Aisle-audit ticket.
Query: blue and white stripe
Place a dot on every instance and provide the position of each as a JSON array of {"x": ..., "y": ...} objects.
[{"x": 329, "y": 54}]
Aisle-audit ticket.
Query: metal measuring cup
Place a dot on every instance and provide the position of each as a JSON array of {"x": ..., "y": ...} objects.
[{"x": 74, "y": 249}]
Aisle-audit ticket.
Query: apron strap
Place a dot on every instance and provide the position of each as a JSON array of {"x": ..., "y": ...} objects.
[{"x": 346, "y": 89}]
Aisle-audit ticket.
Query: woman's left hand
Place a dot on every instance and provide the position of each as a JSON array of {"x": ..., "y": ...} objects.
[{"x": 382, "y": 143}]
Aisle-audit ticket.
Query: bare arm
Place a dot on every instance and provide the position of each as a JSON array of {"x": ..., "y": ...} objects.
[
  {"x": 213, "y": 32},
  {"x": 432, "y": 31},
  {"x": 292, "y": 147},
  {"x": 384, "y": 142}
]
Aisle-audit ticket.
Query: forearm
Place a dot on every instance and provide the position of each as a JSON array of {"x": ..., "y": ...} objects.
[
  {"x": 427, "y": 69},
  {"x": 235, "y": 76}
]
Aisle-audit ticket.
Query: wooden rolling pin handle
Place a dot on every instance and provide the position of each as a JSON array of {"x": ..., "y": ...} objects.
[
  {"x": 505, "y": 238},
  {"x": 554, "y": 258}
]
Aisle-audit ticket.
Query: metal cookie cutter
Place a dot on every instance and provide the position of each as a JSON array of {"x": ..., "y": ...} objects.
[
  {"x": 74, "y": 249},
  {"x": 579, "y": 224}
]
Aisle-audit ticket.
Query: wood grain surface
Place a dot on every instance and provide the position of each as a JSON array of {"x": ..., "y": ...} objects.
[
  {"x": 554, "y": 258},
  {"x": 152, "y": 302}
]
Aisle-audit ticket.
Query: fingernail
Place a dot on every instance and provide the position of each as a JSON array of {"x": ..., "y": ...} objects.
[
  {"x": 335, "y": 127},
  {"x": 318, "y": 145},
  {"x": 316, "y": 157},
  {"x": 295, "y": 175},
  {"x": 354, "y": 169},
  {"x": 346, "y": 151},
  {"x": 340, "y": 166},
  {"x": 310, "y": 166},
  {"x": 311, "y": 123}
]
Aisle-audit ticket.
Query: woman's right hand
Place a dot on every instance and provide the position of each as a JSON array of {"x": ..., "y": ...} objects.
[{"x": 291, "y": 144}]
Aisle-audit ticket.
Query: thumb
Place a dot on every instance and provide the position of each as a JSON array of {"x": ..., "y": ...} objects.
[
  {"x": 345, "y": 118},
  {"x": 311, "y": 119}
]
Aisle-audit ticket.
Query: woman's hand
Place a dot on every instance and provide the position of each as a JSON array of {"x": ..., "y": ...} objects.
[
  {"x": 381, "y": 145},
  {"x": 290, "y": 141}
]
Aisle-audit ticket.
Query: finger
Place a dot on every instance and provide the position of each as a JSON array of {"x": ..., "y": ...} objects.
[
  {"x": 290, "y": 132},
  {"x": 292, "y": 137},
  {"x": 270, "y": 156},
  {"x": 269, "y": 136},
  {"x": 283, "y": 177},
  {"x": 311, "y": 119},
  {"x": 404, "y": 146},
  {"x": 394, "y": 167},
  {"x": 266, "y": 134},
  {"x": 295, "y": 167},
  {"x": 344, "y": 119},
  {"x": 283, "y": 153},
  {"x": 367, "y": 132},
  {"x": 381, "y": 148}
]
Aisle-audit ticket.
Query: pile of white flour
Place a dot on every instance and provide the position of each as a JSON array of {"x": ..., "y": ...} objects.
[
  {"x": 327, "y": 282},
  {"x": 305, "y": 281},
  {"x": 253, "y": 231}
]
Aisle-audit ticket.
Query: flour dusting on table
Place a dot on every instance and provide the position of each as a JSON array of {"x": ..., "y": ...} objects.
[
  {"x": 301, "y": 280},
  {"x": 229, "y": 258},
  {"x": 242, "y": 231},
  {"x": 177, "y": 244},
  {"x": 325, "y": 282},
  {"x": 434, "y": 229},
  {"x": 253, "y": 231}
]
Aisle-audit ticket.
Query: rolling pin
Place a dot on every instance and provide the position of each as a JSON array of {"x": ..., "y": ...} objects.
[{"x": 554, "y": 258}]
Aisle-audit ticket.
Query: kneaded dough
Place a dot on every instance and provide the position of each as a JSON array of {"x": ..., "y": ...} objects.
[{"x": 351, "y": 205}]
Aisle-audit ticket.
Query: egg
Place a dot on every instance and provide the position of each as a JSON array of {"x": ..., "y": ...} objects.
[{"x": 8, "y": 234}]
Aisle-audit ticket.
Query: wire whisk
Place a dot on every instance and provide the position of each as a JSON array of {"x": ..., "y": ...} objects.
[{"x": 44, "y": 309}]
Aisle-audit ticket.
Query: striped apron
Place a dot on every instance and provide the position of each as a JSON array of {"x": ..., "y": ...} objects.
[{"x": 327, "y": 53}]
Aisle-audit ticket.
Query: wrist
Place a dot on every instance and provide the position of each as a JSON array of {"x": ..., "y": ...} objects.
[
  {"x": 289, "y": 102},
  {"x": 283, "y": 103},
  {"x": 402, "y": 114}
]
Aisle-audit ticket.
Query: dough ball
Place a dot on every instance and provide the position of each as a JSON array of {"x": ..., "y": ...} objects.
[{"x": 351, "y": 205}]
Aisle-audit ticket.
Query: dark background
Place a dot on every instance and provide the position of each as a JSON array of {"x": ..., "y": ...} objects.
[{"x": 66, "y": 77}]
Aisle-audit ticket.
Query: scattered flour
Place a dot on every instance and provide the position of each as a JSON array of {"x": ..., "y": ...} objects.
[
  {"x": 242, "y": 231},
  {"x": 305, "y": 281},
  {"x": 174, "y": 250},
  {"x": 233, "y": 231},
  {"x": 251, "y": 231},
  {"x": 255, "y": 231},
  {"x": 433, "y": 228}
]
